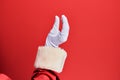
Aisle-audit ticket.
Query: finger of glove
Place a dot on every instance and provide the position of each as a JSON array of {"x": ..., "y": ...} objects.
[
  {"x": 65, "y": 28},
  {"x": 55, "y": 28}
]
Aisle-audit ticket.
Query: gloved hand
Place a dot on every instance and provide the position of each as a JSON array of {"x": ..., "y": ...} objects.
[
  {"x": 51, "y": 58},
  {"x": 55, "y": 37}
]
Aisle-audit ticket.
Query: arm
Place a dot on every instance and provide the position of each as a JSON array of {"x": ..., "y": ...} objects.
[
  {"x": 43, "y": 74},
  {"x": 50, "y": 58},
  {"x": 4, "y": 77}
]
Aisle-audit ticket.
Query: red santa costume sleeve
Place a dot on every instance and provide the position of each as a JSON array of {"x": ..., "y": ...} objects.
[
  {"x": 43, "y": 74},
  {"x": 4, "y": 77},
  {"x": 49, "y": 60}
]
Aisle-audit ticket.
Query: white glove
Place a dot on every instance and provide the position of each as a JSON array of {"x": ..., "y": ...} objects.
[{"x": 55, "y": 37}]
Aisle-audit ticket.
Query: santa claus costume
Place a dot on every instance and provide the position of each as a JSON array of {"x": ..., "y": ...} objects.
[{"x": 50, "y": 58}]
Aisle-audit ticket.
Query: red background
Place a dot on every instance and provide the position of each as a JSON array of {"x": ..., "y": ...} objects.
[{"x": 93, "y": 45}]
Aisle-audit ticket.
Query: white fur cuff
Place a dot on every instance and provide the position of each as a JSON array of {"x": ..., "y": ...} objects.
[{"x": 50, "y": 58}]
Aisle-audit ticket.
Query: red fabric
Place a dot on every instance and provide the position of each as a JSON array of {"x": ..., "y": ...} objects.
[
  {"x": 42, "y": 74},
  {"x": 4, "y": 77},
  {"x": 38, "y": 74}
]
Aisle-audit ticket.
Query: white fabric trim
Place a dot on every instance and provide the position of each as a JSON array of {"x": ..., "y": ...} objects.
[{"x": 50, "y": 58}]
